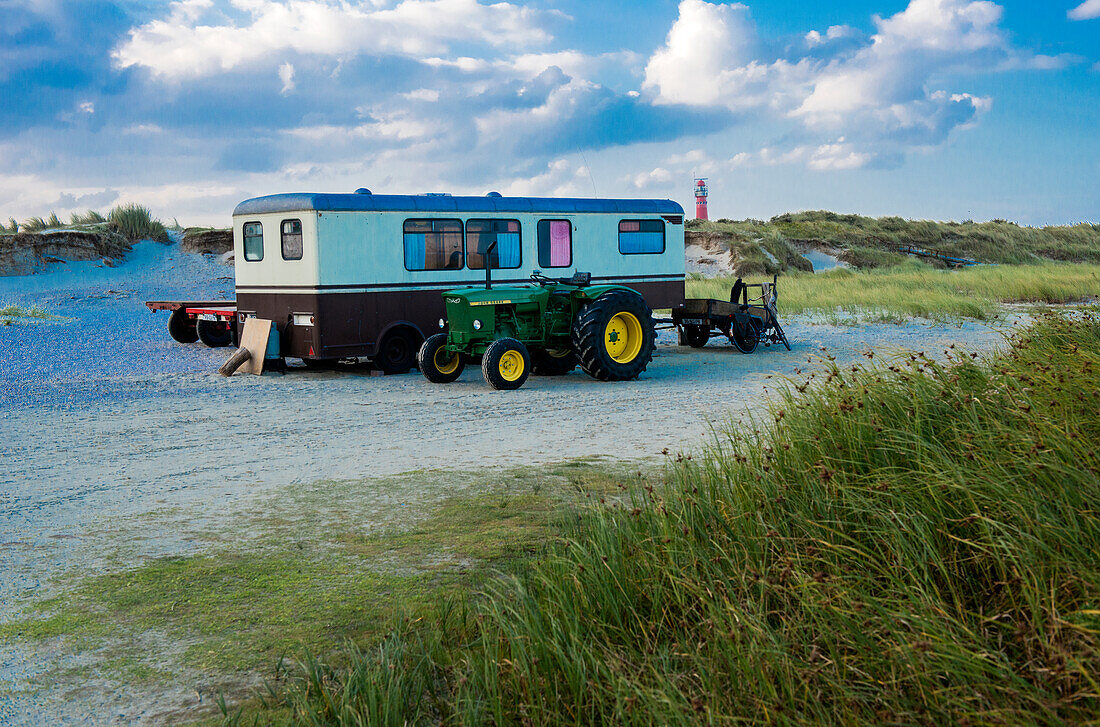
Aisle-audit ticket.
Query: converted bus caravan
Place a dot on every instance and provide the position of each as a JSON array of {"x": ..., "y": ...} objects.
[{"x": 361, "y": 275}]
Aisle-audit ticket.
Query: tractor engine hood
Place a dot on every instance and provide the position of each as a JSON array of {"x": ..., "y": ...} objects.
[{"x": 478, "y": 297}]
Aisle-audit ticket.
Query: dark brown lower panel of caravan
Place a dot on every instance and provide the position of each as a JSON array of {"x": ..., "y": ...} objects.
[{"x": 353, "y": 324}]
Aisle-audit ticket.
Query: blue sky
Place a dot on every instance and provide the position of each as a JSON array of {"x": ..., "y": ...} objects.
[{"x": 950, "y": 109}]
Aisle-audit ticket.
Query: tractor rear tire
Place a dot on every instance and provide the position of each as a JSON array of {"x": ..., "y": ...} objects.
[
  {"x": 434, "y": 363},
  {"x": 506, "y": 364},
  {"x": 215, "y": 334},
  {"x": 546, "y": 362},
  {"x": 614, "y": 336},
  {"x": 181, "y": 328},
  {"x": 396, "y": 352},
  {"x": 696, "y": 336}
]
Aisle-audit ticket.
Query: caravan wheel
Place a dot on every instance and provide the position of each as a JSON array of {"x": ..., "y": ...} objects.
[{"x": 397, "y": 351}]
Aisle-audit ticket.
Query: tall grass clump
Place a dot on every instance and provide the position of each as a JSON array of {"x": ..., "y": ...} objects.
[
  {"x": 911, "y": 543},
  {"x": 136, "y": 223},
  {"x": 34, "y": 224},
  {"x": 91, "y": 217}
]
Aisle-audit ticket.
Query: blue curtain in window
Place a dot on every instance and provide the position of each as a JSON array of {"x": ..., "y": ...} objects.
[
  {"x": 508, "y": 249},
  {"x": 640, "y": 242},
  {"x": 414, "y": 251}
]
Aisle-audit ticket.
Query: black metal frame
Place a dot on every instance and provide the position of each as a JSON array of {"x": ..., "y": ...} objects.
[{"x": 762, "y": 309}]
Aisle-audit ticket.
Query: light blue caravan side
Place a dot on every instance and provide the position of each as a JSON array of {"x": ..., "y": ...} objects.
[{"x": 358, "y": 276}]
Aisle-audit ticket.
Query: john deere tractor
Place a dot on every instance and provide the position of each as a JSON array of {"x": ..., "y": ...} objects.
[{"x": 546, "y": 328}]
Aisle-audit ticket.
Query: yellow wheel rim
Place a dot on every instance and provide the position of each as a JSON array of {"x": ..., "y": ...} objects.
[
  {"x": 510, "y": 365},
  {"x": 623, "y": 337},
  {"x": 562, "y": 353},
  {"x": 444, "y": 365}
]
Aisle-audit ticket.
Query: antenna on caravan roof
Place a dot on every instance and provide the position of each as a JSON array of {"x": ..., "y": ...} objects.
[{"x": 590, "y": 177}]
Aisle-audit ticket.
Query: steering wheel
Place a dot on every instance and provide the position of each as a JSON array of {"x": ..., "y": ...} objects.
[{"x": 541, "y": 279}]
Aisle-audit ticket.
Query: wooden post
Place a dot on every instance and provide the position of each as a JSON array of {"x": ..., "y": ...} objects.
[
  {"x": 249, "y": 358},
  {"x": 239, "y": 357}
]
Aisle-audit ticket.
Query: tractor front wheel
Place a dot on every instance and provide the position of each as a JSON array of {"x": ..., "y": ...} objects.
[
  {"x": 436, "y": 364},
  {"x": 614, "y": 336},
  {"x": 552, "y": 362},
  {"x": 506, "y": 364}
]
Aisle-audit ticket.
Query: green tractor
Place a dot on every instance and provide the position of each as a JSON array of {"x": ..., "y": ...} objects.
[{"x": 546, "y": 328}]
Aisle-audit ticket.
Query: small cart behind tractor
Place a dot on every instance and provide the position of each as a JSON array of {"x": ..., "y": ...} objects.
[{"x": 745, "y": 321}]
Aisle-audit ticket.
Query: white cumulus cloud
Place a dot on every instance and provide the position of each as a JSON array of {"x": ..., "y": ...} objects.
[
  {"x": 707, "y": 56},
  {"x": 286, "y": 75},
  {"x": 181, "y": 46},
  {"x": 1086, "y": 11},
  {"x": 653, "y": 178},
  {"x": 836, "y": 155},
  {"x": 886, "y": 93}
]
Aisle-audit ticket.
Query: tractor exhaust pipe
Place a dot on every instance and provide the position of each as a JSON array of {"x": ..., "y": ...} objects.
[{"x": 488, "y": 266}]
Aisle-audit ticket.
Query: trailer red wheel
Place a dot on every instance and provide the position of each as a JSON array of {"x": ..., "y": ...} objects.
[
  {"x": 215, "y": 334},
  {"x": 181, "y": 328}
]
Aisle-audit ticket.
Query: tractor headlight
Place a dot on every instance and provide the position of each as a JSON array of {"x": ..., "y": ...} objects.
[
  {"x": 477, "y": 325},
  {"x": 442, "y": 323}
]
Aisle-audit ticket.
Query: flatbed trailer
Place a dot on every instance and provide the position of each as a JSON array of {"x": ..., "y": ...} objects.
[
  {"x": 745, "y": 321},
  {"x": 214, "y": 322}
]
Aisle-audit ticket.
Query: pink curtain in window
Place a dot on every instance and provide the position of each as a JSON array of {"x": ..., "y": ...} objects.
[{"x": 559, "y": 243}]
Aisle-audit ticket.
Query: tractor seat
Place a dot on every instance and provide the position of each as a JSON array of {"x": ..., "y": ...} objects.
[{"x": 738, "y": 289}]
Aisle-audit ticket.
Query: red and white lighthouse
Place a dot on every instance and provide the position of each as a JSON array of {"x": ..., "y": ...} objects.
[{"x": 701, "y": 199}]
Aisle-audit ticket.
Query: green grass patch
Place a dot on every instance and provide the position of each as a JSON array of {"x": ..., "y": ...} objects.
[
  {"x": 912, "y": 543},
  {"x": 14, "y": 314},
  {"x": 313, "y": 573},
  {"x": 919, "y": 290}
]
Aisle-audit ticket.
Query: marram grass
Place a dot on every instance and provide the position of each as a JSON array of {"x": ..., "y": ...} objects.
[
  {"x": 873, "y": 242},
  {"x": 132, "y": 221},
  {"x": 920, "y": 290},
  {"x": 914, "y": 543},
  {"x": 135, "y": 223}
]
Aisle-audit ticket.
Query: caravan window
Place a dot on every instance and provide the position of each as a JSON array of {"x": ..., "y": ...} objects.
[
  {"x": 292, "y": 239},
  {"x": 433, "y": 244},
  {"x": 481, "y": 233},
  {"x": 641, "y": 236},
  {"x": 253, "y": 241},
  {"x": 555, "y": 243}
]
